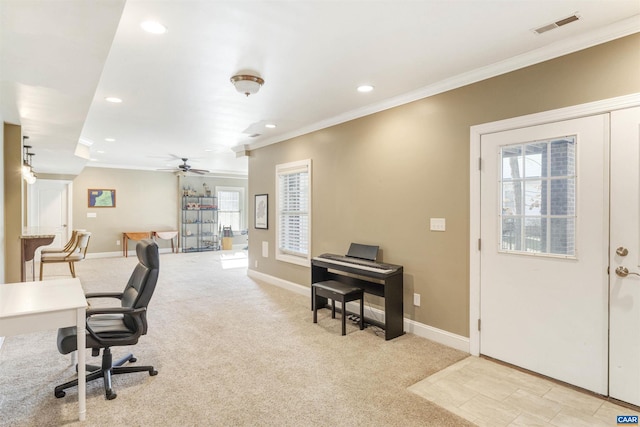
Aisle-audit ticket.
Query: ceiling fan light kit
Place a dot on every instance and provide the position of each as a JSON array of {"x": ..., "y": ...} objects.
[
  {"x": 185, "y": 168},
  {"x": 247, "y": 83}
]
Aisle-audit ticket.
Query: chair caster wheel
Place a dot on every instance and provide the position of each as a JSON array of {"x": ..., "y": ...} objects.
[
  {"x": 59, "y": 394},
  {"x": 133, "y": 360},
  {"x": 111, "y": 395},
  {"x": 153, "y": 373}
]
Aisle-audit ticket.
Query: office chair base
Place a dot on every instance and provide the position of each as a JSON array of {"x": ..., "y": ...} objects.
[{"x": 106, "y": 371}]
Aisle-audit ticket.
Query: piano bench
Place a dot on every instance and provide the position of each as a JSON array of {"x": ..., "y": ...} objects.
[{"x": 334, "y": 290}]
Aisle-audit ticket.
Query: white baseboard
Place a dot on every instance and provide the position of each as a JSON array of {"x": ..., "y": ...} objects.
[
  {"x": 119, "y": 253},
  {"x": 290, "y": 286},
  {"x": 410, "y": 326}
]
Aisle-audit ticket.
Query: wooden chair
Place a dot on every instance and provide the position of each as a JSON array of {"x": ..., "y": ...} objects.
[
  {"x": 76, "y": 253},
  {"x": 66, "y": 248}
]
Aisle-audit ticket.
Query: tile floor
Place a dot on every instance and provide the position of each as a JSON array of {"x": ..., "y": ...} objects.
[{"x": 491, "y": 394}]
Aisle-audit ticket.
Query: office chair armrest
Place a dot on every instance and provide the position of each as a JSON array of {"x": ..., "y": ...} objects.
[
  {"x": 111, "y": 310},
  {"x": 117, "y": 295},
  {"x": 138, "y": 315}
]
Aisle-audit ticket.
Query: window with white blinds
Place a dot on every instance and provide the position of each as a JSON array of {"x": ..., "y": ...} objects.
[
  {"x": 293, "y": 222},
  {"x": 230, "y": 207}
]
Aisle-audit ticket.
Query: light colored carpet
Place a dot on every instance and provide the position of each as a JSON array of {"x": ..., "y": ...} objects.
[{"x": 230, "y": 351}]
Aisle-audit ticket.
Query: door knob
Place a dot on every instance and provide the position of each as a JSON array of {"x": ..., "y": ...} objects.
[
  {"x": 624, "y": 272},
  {"x": 622, "y": 251}
]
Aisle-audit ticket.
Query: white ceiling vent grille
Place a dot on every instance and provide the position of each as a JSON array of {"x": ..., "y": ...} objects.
[{"x": 557, "y": 24}]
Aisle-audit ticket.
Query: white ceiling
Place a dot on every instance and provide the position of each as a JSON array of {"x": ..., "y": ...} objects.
[{"x": 61, "y": 59}]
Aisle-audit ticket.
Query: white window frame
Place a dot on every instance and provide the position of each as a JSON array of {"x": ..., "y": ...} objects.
[
  {"x": 243, "y": 215},
  {"x": 286, "y": 169}
]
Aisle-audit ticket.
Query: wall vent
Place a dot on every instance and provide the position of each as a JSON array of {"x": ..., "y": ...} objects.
[{"x": 557, "y": 24}]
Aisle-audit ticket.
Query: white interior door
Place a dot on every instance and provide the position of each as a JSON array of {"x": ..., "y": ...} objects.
[
  {"x": 544, "y": 230},
  {"x": 49, "y": 210},
  {"x": 624, "y": 363}
]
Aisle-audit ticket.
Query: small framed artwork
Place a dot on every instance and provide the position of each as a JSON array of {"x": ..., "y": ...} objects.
[
  {"x": 262, "y": 211},
  {"x": 102, "y": 198}
]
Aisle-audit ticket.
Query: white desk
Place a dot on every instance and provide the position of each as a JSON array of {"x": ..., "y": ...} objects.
[{"x": 39, "y": 306}]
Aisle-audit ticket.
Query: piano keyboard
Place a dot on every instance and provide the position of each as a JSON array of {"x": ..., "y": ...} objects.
[{"x": 356, "y": 263}]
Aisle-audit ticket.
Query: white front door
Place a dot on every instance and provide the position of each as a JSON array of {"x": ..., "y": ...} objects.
[
  {"x": 49, "y": 209},
  {"x": 624, "y": 364},
  {"x": 544, "y": 232}
]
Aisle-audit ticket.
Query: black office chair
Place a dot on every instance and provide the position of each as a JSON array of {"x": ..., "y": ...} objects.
[{"x": 117, "y": 326}]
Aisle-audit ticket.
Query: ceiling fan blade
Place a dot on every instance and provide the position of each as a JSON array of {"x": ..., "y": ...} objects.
[{"x": 199, "y": 171}]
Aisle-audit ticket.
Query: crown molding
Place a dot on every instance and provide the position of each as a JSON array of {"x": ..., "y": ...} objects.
[{"x": 618, "y": 30}]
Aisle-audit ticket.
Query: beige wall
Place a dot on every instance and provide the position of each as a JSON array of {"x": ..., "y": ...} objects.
[
  {"x": 12, "y": 163},
  {"x": 380, "y": 178},
  {"x": 145, "y": 201},
  {"x": 2, "y": 216}
]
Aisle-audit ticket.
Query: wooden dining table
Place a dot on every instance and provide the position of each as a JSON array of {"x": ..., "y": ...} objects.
[
  {"x": 168, "y": 235},
  {"x": 133, "y": 235}
]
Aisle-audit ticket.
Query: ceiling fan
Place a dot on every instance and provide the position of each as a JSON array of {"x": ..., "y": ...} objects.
[{"x": 184, "y": 168}]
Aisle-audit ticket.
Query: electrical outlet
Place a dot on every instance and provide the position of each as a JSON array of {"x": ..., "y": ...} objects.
[
  {"x": 416, "y": 300},
  {"x": 256, "y": 264}
]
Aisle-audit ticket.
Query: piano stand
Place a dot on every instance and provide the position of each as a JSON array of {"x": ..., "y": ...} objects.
[
  {"x": 335, "y": 290},
  {"x": 386, "y": 285}
]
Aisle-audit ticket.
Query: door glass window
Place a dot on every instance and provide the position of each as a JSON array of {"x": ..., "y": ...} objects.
[{"x": 538, "y": 185}]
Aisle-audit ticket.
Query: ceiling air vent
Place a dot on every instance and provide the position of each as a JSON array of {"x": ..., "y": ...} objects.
[
  {"x": 255, "y": 135},
  {"x": 554, "y": 25}
]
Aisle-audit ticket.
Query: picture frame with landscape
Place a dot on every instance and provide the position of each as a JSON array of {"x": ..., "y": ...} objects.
[{"x": 101, "y": 198}]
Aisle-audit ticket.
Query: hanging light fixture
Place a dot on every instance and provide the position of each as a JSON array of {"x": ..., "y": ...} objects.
[
  {"x": 247, "y": 83},
  {"x": 27, "y": 157}
]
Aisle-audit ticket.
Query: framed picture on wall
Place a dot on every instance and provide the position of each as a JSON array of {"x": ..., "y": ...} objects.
[
  {"x": 262, "y": 211},
  {"x": 101, "y": 198}
]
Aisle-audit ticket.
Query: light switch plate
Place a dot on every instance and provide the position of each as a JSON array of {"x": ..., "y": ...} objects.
[
  {"x": 438, "y": 224},
  {"x": 91, "y": 214},
  {"x": 265, "y": 249}
]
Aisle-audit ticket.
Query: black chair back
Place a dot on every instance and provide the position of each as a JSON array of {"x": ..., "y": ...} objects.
[{"x": 142, "y": 282}]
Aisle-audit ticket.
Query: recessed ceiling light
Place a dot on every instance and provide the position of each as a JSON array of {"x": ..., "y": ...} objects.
[
  {"x": 100, "y": 152},
  {"x": 270, "y": 126},
  {"x": 113, "y": 99},
  {"x": 110, "y": 139},
  {"x": 365, "y": 88},
  {"x": 153, "y": 27}
]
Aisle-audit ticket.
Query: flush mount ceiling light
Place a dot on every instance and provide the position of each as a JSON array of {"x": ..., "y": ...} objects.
[
  {"x": 270, "y": 126},
  {"x": 247, "y": 84},
  {"x": 113, "y": 99},
  {"x": 365, "y": 88}
]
